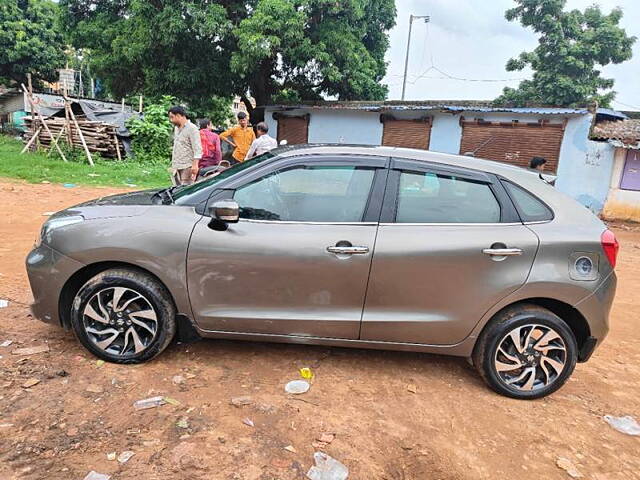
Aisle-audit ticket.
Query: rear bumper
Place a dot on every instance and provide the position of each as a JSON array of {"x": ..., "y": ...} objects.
[
  {"x": 48, "y": 271},
  {"x": 596, "y": 308}
]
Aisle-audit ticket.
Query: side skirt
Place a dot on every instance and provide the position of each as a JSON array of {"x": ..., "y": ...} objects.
[{"x": 462, "y": 349}]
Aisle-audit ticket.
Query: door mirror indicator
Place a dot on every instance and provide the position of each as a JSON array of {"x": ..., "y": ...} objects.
[
  {"x": 227, "y": 211},
  {"x": 222, "y": 213}
]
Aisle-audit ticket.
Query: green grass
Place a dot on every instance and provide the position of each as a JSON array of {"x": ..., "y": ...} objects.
[{"x": 37, "y": 167}]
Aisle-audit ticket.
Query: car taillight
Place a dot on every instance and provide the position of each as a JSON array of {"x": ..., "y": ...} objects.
[{"x": 610, "y": 246}]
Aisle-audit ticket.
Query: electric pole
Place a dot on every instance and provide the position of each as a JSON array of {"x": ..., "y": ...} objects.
[{"x": 406, "y": 60}]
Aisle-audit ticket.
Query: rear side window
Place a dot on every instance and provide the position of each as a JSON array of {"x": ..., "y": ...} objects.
[
  {"x": 432, "y": 198},
  {"x": 529, "y": 207}
]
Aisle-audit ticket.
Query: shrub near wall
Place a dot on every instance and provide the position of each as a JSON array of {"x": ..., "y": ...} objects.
[{"x": 152, "y": 132}]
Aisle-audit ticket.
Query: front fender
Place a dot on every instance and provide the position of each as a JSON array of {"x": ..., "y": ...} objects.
[{"x": 156, "y": 241}]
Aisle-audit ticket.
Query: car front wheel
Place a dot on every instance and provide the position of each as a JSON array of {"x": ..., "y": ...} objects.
[
  {"x": 526, "y": 352},
  {"x": 123, "y": 316}
]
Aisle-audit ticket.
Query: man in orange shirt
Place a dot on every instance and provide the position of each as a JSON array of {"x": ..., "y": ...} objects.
[{"x": 242, "y": 135}]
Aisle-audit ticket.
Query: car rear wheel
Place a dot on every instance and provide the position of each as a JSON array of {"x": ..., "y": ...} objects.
[
  {"x": 123, "y": 316},
  {"x": 526, "y": 352}
]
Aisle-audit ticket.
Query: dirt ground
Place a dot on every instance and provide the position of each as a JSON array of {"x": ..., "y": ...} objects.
[{"x": 453, "y": 427}]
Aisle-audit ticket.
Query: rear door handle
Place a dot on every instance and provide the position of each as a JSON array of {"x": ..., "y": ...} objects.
[
  {"x": 352, "y": 250},
  {"x": 502, "y": 252}
]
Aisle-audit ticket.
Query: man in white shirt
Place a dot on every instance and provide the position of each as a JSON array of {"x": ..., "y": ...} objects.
[
  {"x": 187, "y": 149},
  {"x": 263, "y": 143}
]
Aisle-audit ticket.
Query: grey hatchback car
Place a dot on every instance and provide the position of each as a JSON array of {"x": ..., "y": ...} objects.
[{"x": 349, "y": 246}]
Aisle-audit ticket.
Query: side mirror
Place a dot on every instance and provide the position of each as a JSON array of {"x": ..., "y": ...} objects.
[{"x": 227, "y": 211}]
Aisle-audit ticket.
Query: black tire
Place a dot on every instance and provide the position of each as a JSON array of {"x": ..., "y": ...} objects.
[
  {"x": 154, "y": 293},
  {"x": 484, "y": 354}
]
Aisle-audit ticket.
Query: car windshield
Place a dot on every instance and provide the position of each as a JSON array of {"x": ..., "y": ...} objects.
[{"x": 185, "y": 191}]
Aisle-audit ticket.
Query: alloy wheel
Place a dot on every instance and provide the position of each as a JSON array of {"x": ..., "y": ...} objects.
[
  {"x": 530, "y": 357},
  {"x": 120, "y": 321}
]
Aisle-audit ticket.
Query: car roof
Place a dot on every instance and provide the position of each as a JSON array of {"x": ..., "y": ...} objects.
[{"x": 462, "y": 161}]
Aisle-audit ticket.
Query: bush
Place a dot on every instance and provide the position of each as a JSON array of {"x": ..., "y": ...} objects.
[{"x": 152, "y": 132}]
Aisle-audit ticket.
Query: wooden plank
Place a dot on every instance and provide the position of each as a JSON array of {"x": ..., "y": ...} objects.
[
  {"x": 84, "y": 144},
  {"x": 44, "y": 121},
  {"x": 115, "y": 138},
  {"x": 31, "y": 140},
  {"x": 55, "y": 141}
]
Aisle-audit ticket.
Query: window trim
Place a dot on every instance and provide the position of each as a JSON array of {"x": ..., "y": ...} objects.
[
  {"x": 373, "y": 205},
  {"x": 508, "y": 213}
]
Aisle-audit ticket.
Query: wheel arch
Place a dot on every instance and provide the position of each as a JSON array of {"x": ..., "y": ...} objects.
[
  {"x": 568, "y": 314},
  {"x": 186, "y": 331}
]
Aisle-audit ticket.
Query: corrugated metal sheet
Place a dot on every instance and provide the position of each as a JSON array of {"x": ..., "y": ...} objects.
[
  {"x": 406, "y": 133},
  {"x": 515, "y": 143},
  {"x": 441, "y": 105},
  {"x": 295, "y": 130}
]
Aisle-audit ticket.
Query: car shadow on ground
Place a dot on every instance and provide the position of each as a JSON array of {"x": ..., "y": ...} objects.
[{"x": 281, "y": 355}]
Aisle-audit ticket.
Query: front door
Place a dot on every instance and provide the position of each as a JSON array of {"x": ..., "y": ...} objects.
[
  {"x": 448, "y": 248},
  {"x": 631, "y": 174},
  {"x": 298, "y": 261}
]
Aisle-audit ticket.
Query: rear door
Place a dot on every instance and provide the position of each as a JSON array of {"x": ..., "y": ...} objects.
[{"x": 449, "y": 246}]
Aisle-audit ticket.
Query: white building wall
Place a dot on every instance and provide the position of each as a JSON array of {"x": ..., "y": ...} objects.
[
  {"x": 446, "y": 133},
  {"x": 584, "y": 169},
  {"x": 621, "y": 204},
  {"x": 350, "y": 126}
]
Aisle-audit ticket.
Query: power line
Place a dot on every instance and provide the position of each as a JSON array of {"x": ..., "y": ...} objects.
[
  {"x": 446, "y": 75},
  {"x": 627, "y": 105}
]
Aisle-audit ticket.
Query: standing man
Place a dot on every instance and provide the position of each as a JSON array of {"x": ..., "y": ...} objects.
[
  {"x": 263, "y": 143},
  {"x": 211, "y": 153},
  {"x": 242, "y": 136},
  {"x": 187, "y": 150}
]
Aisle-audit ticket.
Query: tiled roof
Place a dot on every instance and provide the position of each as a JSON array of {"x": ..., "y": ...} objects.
[{"x": 625, "y": 132}]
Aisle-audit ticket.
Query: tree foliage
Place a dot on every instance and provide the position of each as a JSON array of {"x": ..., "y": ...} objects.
[
  {"x": 572, "y": 47},
  {"x": 30, "y": 41},
  {"x": 152, "y": 132},
  {"x": 198, "y": 50}
]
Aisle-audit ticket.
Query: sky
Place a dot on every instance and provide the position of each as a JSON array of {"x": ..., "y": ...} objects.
[{"x": 471, "y": 39}]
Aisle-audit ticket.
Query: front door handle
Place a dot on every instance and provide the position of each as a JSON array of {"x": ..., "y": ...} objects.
[
  {"x": 350, "y": 250},
  {"x": 502, "y": 252}
]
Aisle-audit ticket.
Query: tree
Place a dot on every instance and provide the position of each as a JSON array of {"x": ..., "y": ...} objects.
[
  {"x": 30, "y": 41},
  {"x": 571, "y": 49},
  {"x": 271, "y": 49}
]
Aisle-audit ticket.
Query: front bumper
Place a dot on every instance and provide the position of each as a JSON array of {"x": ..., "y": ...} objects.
[{"x": 48, "y": 272}]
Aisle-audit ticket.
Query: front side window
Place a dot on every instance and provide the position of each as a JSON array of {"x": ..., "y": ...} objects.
[
  {"x": 434, "y": 198},
  {"x": 308, "y": 194}
]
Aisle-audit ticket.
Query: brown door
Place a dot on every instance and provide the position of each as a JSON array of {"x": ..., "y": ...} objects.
[
  {"x": 294, "y": 130},
  {"x": 406, "y": 133},
  {"x": 513, "y": 142}
]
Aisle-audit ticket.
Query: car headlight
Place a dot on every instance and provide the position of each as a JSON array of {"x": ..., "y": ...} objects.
[{"x": 59, "y": 222}]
